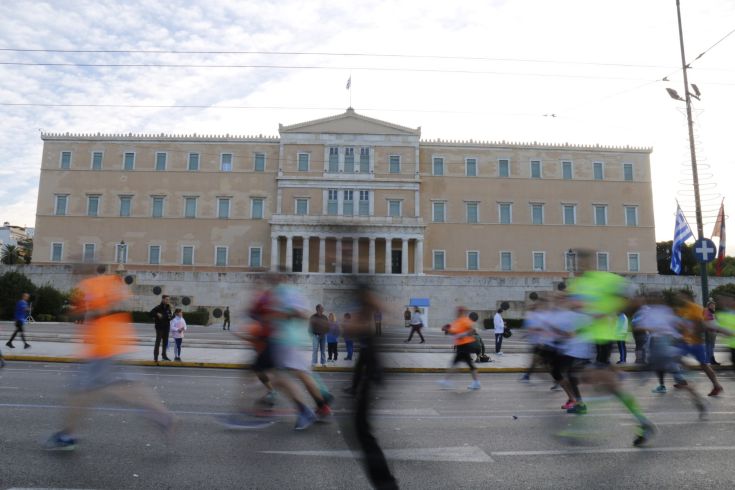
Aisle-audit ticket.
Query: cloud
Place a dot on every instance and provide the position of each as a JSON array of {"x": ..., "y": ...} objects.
[{"x": 594, "y": 104}]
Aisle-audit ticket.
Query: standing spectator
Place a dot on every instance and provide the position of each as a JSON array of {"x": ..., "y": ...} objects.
[
  {"x": 318, "y": 326},
  {"x": 162, "y": 316},
  {"x": 407, "y": 317},
  {"x": 21, "y": 313},
  {"x": 417, "y": 324},
  {"x": 378, "y": 317},
  {"x": 710, "y": 336},
  {"x": 349, "y": 343},
  {"x": 499, "y": 325},
  {"x": 226, "y": 323},
  {"x": 332, "y": 338},
  {"x": 622, "y": 333},
  {"x": 178, "y": 327}
]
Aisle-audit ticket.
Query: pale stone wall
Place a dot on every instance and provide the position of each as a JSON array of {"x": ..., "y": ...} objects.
[{"x": 235, "y": 289}]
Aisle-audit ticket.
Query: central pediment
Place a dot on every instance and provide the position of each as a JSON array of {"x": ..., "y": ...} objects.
[{"x": 349, "y": 122}]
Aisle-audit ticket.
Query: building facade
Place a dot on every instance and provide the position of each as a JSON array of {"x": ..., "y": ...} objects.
[{"x": 343, "y": 194}]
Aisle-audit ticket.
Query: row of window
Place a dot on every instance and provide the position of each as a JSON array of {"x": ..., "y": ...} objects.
[
  {"x": 160, "y": 161},
  {"x": 186, "y": 254},
  {"x": 537, "y": 211},
  {"x": 438, "y": 168},
  {"x": 157, "y": 206},
  {"x": 538, "y": 261},
  {"x": 343, "y": 160}
]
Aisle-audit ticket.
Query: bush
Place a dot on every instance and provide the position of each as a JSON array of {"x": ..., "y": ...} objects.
[
  {"x": 12, "y": 286},
  {"x": 198, "y": 317},
  {"x": 48, "y": 301},
  {"x": 728, "y": 288},
  {"x": 141, "y": 317},
  {"x": 43, "y": 317}
]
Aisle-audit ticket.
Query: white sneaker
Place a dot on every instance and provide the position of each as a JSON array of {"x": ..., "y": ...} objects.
[
  {"x": 445, "y": 384},
  {"x": 498, "y": 353}
]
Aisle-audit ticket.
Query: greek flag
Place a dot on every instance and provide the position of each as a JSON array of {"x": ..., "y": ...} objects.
[
  {"x": 682, "y": 233},
  {"x": 349, "y": 83}
]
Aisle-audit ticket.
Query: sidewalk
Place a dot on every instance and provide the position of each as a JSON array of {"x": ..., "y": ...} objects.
[
  {"x": 229, "y": 358},
  {"x": 232, "y": 358}
]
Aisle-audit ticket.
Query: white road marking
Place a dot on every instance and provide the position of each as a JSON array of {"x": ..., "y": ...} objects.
[
  {"x": 466, "y": 454},
  {"x": 565, "y": 452}
]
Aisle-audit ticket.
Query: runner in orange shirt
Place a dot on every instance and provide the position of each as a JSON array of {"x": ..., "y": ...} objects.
[
  {"x": 463, "y": 331},
  {"x": 106, "y": 337}
]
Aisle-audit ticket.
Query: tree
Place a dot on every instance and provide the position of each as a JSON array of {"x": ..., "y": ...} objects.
[
  {"x": 26, "y": 249},
  {"x": 10, "y": 254},
  {"x": 12, "y": 286},
  {"x": 689, "y": 264}
]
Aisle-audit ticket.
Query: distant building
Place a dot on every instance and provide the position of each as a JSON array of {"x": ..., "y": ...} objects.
[
  {"x": 12, "y": 234},
  {"x": 342, "y": 194}
]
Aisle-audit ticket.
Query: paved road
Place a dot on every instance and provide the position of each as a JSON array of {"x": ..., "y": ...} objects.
[{"x": 435, "y": 439}]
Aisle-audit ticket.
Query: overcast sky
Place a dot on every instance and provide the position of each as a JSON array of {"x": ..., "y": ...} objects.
[{"x": 488, "y": 70}]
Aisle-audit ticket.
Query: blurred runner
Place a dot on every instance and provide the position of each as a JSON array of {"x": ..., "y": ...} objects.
[
  {"x": 602, "y": 296},
  {"x": 368, "y": 374},
  {"x": 105, "y": 335},
  {"x": 463, "y": 332}
]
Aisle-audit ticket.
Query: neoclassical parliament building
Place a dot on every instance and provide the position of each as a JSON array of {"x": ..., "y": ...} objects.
[{"x": 338, "y": 195}]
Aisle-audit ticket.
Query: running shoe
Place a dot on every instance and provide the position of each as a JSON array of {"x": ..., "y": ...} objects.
[
  {"x": 659, "y": 389},
  {"x": 703, "y": 413},
  {"x": 306, "y": 419},
  {"x": 715, "y": 391},
  {"x": 60, "y": 442},
  {"x": 578, "y": 408},
  {"x": 679, "y": 386},
  {"x": 555, "y": 387},
  {"x": 569, "y": 404},
  {"x": 499, "y": 353},
  {"x": 475, "y": 385},
  {"x": 239, "y": 422},
  {"x": 525, "y": 378},
  {"x": 323, "y": 414},
  {"x": 445, "y": 384},
  {"x": 645, "y": 433}
]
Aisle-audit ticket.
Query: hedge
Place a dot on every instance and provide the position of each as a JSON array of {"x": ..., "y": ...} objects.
[{"x": 198, "y": 317}]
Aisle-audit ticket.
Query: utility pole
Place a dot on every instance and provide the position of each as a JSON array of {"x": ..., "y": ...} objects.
[{"x": 692, "y": 151}]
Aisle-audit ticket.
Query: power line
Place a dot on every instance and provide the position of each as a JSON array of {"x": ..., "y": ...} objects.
[
  {"x": 289, "y": 108},
  {"x": 715, "y": 44},
  {"x": 315, "y": 67},
  {"x": 331, "y": 54}
]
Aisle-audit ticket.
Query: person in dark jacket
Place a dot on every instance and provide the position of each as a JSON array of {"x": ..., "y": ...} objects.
[{"x": 162, "y": 316}]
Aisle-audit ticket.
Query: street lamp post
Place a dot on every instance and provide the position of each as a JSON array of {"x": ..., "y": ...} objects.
[{"x": 693, "y": 153}]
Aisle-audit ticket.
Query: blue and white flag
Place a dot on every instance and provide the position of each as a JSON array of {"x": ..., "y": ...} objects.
[
  {"x": 349, "y": 83},
  {"x": 682, "y": 233}
]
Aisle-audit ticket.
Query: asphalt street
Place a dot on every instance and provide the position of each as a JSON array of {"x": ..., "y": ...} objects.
[{"x": 506, "y": 435}]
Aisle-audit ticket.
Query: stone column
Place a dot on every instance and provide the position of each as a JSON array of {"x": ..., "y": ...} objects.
[
  {"x": 274, "y": 253},
  {"x": 289, "y": 253},
  {"x": 388, "y": 255},
  {"x": 404, "y": 255},
  {"x": 305, "y": 255},
  {"x": 322, "y": 254},
  {"x": 371, "y": 256},
  {"x": 419, "y": 256},
  {"x": 338, "y": 256},
  {"x": 355, "y": 255}
]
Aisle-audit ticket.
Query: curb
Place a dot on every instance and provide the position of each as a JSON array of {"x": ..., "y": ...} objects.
[{"x": 223, "y": 365}]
